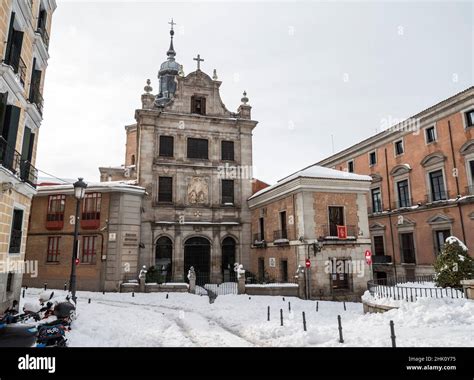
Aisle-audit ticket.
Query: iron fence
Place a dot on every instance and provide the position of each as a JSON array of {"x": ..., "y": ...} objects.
[{"x": 395, "y": 288}]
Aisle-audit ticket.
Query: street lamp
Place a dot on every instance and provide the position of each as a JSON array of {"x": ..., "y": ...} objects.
[{"x": 79, "y": 193}]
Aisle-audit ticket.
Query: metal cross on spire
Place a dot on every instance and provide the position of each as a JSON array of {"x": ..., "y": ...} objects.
[
  {"x": 199, "y": 60},
  {"x": 172, "y": 23}
]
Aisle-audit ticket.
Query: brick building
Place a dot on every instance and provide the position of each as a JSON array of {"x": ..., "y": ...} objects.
[
  {"x": 298, "y": 218},
  {"x": 109, "y": 235},
  {"x": 422, "y": 185},
  {"x": 24, "y": 32}
]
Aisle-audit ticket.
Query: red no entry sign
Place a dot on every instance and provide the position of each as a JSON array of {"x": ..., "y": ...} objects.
[{"x": 308, "y": 263}]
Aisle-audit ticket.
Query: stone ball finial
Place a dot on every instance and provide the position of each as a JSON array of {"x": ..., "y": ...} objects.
[
  {"x": 214, "y": 75},
  {"x": 148, "y": 88},
  {"x": 245, "y": 100}
]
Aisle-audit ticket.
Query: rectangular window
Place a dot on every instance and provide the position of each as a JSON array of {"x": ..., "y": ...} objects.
[
  {"x": 430, "y": 134},
  {"x": 91, "y": 206},
  {"x": 198, "y": 105},
  {"x": 437, "y": 186},
  {"x": 379, "y": 249},
  {"x": 350, "y": 166},
  {"x": 166, "y": 146},
  {"x": 227, "y": 148},
  {"x": 9, "y": 282},
  {"x": 9, "y": 132},
  {"x": 198, "y": 148},
  {"x": 403, "y": 194},
  {"x": 53, "y": 249},
  {"x": 440, "y": 239},
  {"x": 373, "y": 158},
  {"x": 407, "y": 248},
  {"x": 284, "y": 231},
  {"x": 56, "y": 205},
  {"x": 399, "y": 149},
  {"x": 227, "y": 191},
  {"x": 470, "y": 118},
  {"x": 16, "y": 231},
  {"x": 336, "y": 218},
  {"x": 376, "y": 200},
  {"x": 88, "y": 250},
  {"x": 262, "y": 228},
  {"x": 14, "y": 45},
  {"x": 165, "y": 189}
]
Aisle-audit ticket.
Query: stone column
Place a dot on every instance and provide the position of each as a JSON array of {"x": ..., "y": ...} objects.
[
  {"x": 192, "y": 280},
  {"x": 468, "y": 286}
]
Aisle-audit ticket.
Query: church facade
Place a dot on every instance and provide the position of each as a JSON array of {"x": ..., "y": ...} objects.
[{"x": 194, "y": 158}]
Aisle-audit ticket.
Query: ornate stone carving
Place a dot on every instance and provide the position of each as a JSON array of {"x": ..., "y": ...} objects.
[{"x": 198, "y": 191}]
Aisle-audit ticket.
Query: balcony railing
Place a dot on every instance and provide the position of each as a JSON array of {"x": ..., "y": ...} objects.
[
  {"x": 402, "y": 203},
  {"x": 381, "y": 259},
  {"x": 258, "y": 237},
  {"x": 37, "y": 98},
  {"x": 280, "y": 235},
  {"x": 437, "y": 196},
  {"x": 22, "y": 71},
  {"x": 331, "y": 231},
  {"x": 11, "y": 160},
  {"x": 376, "y": 207},
  {"x": 44, "y": 36}
]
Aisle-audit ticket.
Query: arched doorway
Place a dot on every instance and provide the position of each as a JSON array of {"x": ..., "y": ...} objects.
[
  {"x": 228, "y": 259},
  {"x": 197, "y": 254},
  {"x": 163, "y": 257}
]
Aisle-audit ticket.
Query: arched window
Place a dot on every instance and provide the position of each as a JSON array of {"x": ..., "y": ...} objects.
[
  {"x": 163, "y": 257},
  {"x": 228, "y": 259}
]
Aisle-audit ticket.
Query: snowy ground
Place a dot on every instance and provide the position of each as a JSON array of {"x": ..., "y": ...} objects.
[{"x": 120, "y": 320}]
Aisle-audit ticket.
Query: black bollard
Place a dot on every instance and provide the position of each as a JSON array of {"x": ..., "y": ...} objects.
[
  {"x": 250, "y": 298},
  {"x": 341, "y": 339},
  {"x": 268, "y": 313},
  {"x": 317, "y": 305},
  {"x": 45, "y": 285},
  {"x": 24, "y": 292},
  {"x": 133, "y": 294},
  {"x": 65, "y": 286},
  {"x": 304, "y": 321},
  {"x": 392, "y": 334},
  {"x": 89, "y": 301},
  {"x": 281, "y": 317},
  {"x": 167, "y": 295},
  {"x": 344, "y": 305},
  {"x": 103, "y": 291},
  {"x": 283, "y": 299},
  {"x": 289, "y": 306}
]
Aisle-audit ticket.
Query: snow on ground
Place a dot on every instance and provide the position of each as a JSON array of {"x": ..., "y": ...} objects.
[{"x": 146, "y": 320}]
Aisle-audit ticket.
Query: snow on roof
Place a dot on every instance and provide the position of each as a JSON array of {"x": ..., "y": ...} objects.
[
  {"x": 316, "y": 171},
  {"x": 105, "y": 185}
]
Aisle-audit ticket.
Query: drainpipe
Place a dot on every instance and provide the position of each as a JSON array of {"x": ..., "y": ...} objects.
[
  {"x": 457, "y": 180},
  {"x": 390, "y": 215}
]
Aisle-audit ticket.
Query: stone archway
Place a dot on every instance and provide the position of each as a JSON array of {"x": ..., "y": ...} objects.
[{"x": 197, "y": 254}]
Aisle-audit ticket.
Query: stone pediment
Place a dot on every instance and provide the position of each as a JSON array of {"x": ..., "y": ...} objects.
[
  {"x": 403, "y": 221},
  {"x": 400, "y": 169},
  {"x": 467, "y": 148},
  {"x": 377, "y": 227},
  {"x": 439, "y": 219},
  {"x": 376, "y": 178},
  {"x": 433, "y": 159}
]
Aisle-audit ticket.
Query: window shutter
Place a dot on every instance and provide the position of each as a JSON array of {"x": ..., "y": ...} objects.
[
  {"x": 3, "y": 108},
  {"x": 26, "y": 143},
  {"x": 10, "y": 39}
]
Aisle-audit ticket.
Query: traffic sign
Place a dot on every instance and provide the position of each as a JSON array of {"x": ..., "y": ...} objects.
[{"x": 308, "y": 263}]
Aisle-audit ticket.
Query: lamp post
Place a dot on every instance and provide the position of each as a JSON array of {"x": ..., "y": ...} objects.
[{"x": 79, "y": 193}]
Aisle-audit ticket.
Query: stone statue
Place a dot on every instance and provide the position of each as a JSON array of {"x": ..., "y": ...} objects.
[{"x": 198, "y": 190}]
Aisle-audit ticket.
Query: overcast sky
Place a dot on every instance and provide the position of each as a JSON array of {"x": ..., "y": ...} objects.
[{"x": 311, "y": 70}]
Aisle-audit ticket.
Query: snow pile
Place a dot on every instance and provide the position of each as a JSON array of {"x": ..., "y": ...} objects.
[
  {"x": 454, "y": 239},
  {"x": 183, "y": 319}
]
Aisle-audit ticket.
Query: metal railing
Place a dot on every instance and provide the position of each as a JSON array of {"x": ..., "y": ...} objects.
[
  {"x": 11, "y": 160},
  {"x": 280, "y": 234},
  {"x": 44, "y": 36},
  {"x": 37, "y": 98},
  {"x": 402, "y": 203},
  {"x": 394, "y": 288},
  {"x": 22, "y": 71},
  {"x": 375, "y": 208},
  {"x": 381, "y": 259},
  {"x": 327, "y": 231},
  {"x": 258, "y": 237}
]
